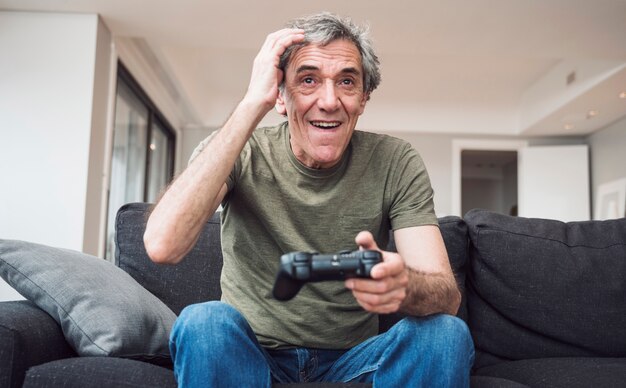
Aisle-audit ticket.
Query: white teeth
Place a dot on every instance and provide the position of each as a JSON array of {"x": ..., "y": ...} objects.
[{"x": 326, "y": 124}]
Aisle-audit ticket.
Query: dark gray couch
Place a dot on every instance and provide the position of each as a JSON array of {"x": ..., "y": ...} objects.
[{"x": 545, "y": 302}]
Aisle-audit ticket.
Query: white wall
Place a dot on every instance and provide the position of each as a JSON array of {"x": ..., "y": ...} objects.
[
  {"x": 95, "y": 209},
  {"x": 190, "y": 140},
  {"x": 554, "y": 182},
  {"x": 53, "y": 71}
]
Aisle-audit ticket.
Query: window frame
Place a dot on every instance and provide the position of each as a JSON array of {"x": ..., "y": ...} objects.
[
  {"x": 154, "y": 119},
  {"x": 154, "y": 115}
]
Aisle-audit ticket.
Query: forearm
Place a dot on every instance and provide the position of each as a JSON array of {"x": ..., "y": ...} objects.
[
  {"x": 179, "y": 216},
  {"x": 430, "y": 293}
]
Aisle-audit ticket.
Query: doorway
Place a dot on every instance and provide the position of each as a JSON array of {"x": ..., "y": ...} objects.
[
  {"x": 489, "y": 181},
  {"x": 496, "y": 158}
]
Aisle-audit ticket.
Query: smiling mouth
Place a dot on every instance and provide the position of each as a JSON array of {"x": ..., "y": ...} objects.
[{"x": 325, "y": 124}]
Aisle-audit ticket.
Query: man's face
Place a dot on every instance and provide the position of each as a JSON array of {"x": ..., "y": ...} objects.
[{"x": 323, "y": 98}]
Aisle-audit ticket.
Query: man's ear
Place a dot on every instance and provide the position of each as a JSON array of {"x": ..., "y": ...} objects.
[
  {"x": 280, "y": 104},
  {"x": 366, "y": 97}
]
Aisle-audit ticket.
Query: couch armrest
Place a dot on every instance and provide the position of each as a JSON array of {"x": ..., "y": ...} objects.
[{"x": 28, "y": 337}]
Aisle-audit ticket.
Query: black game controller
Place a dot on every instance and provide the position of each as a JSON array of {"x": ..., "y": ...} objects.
[{"x": 298, "y": 268}]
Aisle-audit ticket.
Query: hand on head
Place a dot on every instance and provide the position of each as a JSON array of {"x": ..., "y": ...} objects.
[
  {"x": 266, "y": 75},
  {"x": 385, "y": 292}
]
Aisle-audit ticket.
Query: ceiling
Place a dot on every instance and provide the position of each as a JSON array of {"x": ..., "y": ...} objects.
[{"x": 448, "y": 66}]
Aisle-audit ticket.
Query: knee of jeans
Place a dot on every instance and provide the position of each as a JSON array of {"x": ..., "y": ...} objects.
[
  {"x": 206, "y": 316},
  {"x": 454, "y": 326},
  {"x": 439, "y": 328}
]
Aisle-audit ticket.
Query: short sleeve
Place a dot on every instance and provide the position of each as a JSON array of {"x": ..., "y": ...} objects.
[{"x": 412, "y": 195}]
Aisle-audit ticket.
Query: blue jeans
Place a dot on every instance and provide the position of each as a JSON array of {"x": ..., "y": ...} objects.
[{"x": 212, "y": 345}]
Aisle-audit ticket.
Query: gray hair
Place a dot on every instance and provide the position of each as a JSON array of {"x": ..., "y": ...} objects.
[{"x": 323, "y": 28}]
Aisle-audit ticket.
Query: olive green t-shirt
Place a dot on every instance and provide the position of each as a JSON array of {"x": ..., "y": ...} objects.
[{"x": 277, "y": 205}]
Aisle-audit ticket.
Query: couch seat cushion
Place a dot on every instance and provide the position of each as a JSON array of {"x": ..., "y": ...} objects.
[
  {"x": 543, "y": 288},
  {"x": 99, "y": 372},
  {"x": 494, "y": 382},
  {"x": 562, "y": 372},
  {"x": 24, "y": 327}
]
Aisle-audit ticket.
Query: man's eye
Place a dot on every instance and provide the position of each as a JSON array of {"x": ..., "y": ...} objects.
[
  {"x": 347, "y": 82},
  {"x": 308, "y": 81}
]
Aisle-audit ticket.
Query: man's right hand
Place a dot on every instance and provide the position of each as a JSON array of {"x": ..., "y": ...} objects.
[{"x": 266, "y": 76}]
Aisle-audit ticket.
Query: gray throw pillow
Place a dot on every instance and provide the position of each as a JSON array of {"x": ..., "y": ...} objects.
[{"x": 101, "y": 309}]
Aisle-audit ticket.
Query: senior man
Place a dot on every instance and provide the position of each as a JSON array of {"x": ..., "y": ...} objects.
[{"x": 313, "y": 183}]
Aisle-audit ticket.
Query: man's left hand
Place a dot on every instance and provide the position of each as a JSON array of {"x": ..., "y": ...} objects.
[{"x": 386, "y": 290}]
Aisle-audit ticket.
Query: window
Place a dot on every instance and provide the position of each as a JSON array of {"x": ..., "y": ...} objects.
[{"x": 142, "y": 162}]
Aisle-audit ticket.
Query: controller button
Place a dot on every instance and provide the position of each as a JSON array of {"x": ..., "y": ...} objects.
[
  {"x": 302, "y": 272},
  {"x": 370, "y": 255}
]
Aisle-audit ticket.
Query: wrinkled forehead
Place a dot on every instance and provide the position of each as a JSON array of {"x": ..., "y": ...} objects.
[
  {"x": 291, "y": 50},
  {"x": 339, "y": 53}
]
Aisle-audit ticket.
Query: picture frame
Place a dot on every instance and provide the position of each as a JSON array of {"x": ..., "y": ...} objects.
[{"x": 611, "y": 200}]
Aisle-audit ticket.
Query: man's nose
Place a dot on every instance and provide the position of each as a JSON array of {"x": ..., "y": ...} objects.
[{"x": 328, "y": 99}]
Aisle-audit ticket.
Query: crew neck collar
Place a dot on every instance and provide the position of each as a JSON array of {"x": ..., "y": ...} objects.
[{"x": 313, "y": 172}]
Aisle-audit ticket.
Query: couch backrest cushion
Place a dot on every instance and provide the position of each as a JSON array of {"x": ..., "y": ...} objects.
[
  {"x": 543, "y": 288},
  {"x": 454, "y": 231},
  {"x": 190, "y": 281}
]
